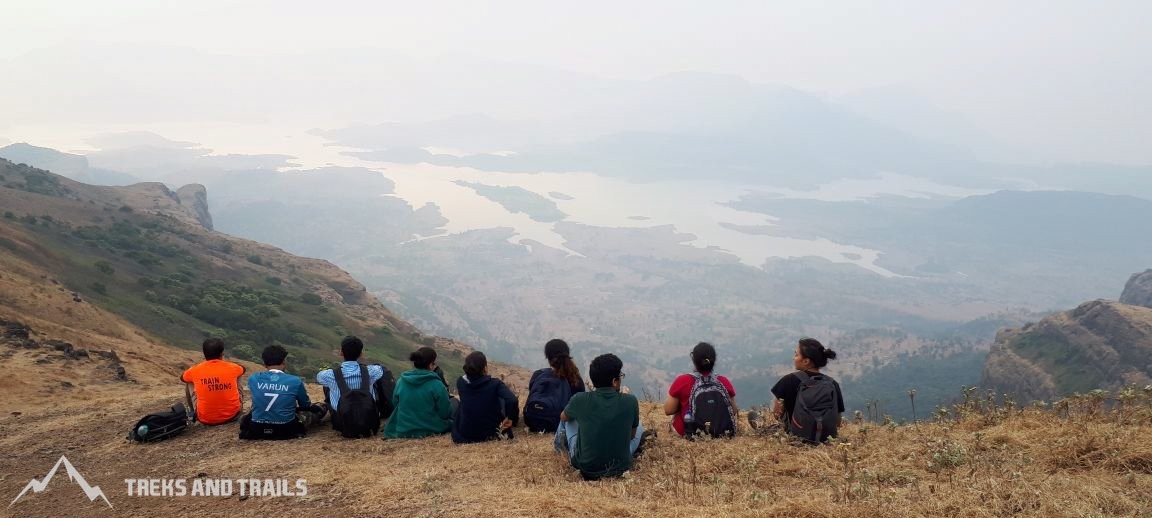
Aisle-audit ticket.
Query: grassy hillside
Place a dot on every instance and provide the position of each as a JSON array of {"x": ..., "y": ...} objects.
[
  {"x": 138, "y": 253},
  {"x": 1076, "y": 458}
]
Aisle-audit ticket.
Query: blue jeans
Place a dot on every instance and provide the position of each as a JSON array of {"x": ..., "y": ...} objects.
[{"x": 566, "y": 433}]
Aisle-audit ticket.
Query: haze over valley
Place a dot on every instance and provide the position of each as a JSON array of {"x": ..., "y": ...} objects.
[{"x": 900, "y": 218}]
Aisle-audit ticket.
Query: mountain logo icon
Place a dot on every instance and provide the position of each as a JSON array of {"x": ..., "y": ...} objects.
[{"x": 39, "y": 486}]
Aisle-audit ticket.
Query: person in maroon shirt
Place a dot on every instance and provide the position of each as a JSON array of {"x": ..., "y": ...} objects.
[{"x": 703, "y": 361}]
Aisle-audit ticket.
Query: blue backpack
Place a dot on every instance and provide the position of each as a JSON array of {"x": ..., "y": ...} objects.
[{"x": 547, "y": 397}]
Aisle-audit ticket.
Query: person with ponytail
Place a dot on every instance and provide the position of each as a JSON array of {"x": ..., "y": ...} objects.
[
  {"x": 810, "y": 356},
  {"x": 550, "y": 388},
  {"x": 488, "y": 410},
  {"x": 679, "y": 400},
  {"x": 421, "y": 402}
]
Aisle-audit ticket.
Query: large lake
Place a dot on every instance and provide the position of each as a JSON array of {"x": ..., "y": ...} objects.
[{"x": 691, "y": 207}]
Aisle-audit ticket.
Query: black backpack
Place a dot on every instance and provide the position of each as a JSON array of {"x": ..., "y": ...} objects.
[
  {"x": 356, "y": 414},
  {"x": 815, "y": 416},
  {"x": 548, "y": 397},
  {"x": 385, "y": 387},
  {"x": 160, "y": 425},
  {"x": 712, "y": 411}
]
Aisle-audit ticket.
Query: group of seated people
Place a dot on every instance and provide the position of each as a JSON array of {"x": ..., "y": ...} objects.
[{"x": 598, "y": 430}]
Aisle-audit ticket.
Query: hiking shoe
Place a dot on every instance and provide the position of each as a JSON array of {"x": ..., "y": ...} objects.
[{"x": 754, "y": 419}]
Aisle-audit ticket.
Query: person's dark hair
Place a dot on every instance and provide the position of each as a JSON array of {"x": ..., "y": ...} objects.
[
  {"x": 560, "y": 359},
  {"x": 474, "y": 365},
  {"x": 604, "y": 369},
  {"x": 815, "y": 351},
  {"x": 213, "y": 348},
  {"x": 274, "y": 355},
  {"x": 422, "y": 357},
  {"x": 351, "y": 347},
  {"x": 704, "y": 357}
]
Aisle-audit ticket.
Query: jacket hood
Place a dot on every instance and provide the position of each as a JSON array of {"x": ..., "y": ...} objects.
[{"x": 419, "y": 377}]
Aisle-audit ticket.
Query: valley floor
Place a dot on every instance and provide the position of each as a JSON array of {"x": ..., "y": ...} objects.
[{"x": 1031, "y": 463}]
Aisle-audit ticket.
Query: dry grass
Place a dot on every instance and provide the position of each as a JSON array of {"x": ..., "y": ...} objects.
[{"x": 1075, "y": 461}]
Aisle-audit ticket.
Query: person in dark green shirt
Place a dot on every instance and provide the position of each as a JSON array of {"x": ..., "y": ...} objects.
[{"x": 600, "y": 431}]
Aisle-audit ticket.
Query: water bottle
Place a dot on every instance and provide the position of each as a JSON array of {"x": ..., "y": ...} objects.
[
  {"x": 689, "y": 424},
  {"x": 142, "y": 431}
]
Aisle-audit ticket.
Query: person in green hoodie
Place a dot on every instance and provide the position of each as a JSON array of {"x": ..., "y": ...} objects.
[{"x": 420, "y": 399}]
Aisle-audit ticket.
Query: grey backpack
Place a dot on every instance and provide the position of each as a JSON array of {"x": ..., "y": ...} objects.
[{"x": 815, "y": 416}]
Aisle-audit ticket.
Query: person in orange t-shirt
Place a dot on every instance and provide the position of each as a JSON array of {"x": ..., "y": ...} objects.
[{"x": 216, "y": 384}]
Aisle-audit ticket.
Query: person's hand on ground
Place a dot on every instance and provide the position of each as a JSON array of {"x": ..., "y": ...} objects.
[{"x": 506, "y": 424}]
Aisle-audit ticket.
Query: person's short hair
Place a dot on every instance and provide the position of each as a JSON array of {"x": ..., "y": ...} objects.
[
  {"x": 604, "y": 369},
  {"x": 423, "y": 357},
  {"x": 704, "y": 357},
  {"x": 474, "y": 365},
  {"x": 351, "y": 347},
  {"x": 274, "y": 355},
  {"x": 815, "y": 351},
  {"x": 213, "y": 348}
]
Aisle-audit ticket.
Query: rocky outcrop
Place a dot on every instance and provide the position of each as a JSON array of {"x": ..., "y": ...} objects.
[
  {"x": 1138, "y": 290},
  {"x": 195, "y": 198},
  {"x": 18, "y": 335},
  {"x": 1101, "y": 344}
]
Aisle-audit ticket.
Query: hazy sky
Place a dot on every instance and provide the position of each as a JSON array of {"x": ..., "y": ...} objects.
[{"x": 1069, "y": 80}]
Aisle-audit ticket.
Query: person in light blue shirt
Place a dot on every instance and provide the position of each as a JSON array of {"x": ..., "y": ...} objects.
[
  {"x": 281, "y": 408},
  {"x": 352, "y": 348}
]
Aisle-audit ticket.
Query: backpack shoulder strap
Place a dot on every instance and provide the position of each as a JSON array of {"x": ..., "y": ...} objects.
[
  {"x": 802, "y": 376},
  {"x": 341, "y": 383},
  {"x": 365, "y": 384}
]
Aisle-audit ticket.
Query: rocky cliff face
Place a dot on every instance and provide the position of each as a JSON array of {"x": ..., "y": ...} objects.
[
  {"x": 1101, "y": 344},
  {"x": 1138, "y": 290},
  {"x": 195, "y": 198}
]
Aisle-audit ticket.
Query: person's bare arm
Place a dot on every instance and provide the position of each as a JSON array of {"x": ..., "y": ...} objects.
[
  {"x": 778, "y": 409},
  {"x": 563, "y": 416},
  {"x": 671, "y": 405},
  {"x": 191, "y": 408}
]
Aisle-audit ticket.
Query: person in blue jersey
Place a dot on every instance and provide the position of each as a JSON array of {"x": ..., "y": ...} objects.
[
  {"x": 488, "y": 410},
  {"x": 281, "y": 408}
]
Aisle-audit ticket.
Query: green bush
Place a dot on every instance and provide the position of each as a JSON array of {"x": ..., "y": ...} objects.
[
  {"x": 9, "y": 215},
  {"x": 245, "y": 352},
  {"x": 311, "y": 298},
  {"x": 255, "y": 259},
  {"x": 105, "y": 267},
  {"x": 99, "y": 288},
  {"x": 275, "y": 281}
]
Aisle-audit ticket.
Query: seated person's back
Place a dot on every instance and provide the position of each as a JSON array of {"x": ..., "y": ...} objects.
[
  {"x": 488, "y": 410},
  {"x": 680, "y": 394},
  {"x": 216, "y": 384},
  {"x": 605, "y": 423},
  {"x": 351, "y": 370},
  {"x": 550, "y": 389},
  {"x": 421, "y": 402},
  {"x": 281, "y": 408},
  {"x": 823, "y": 411}
]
